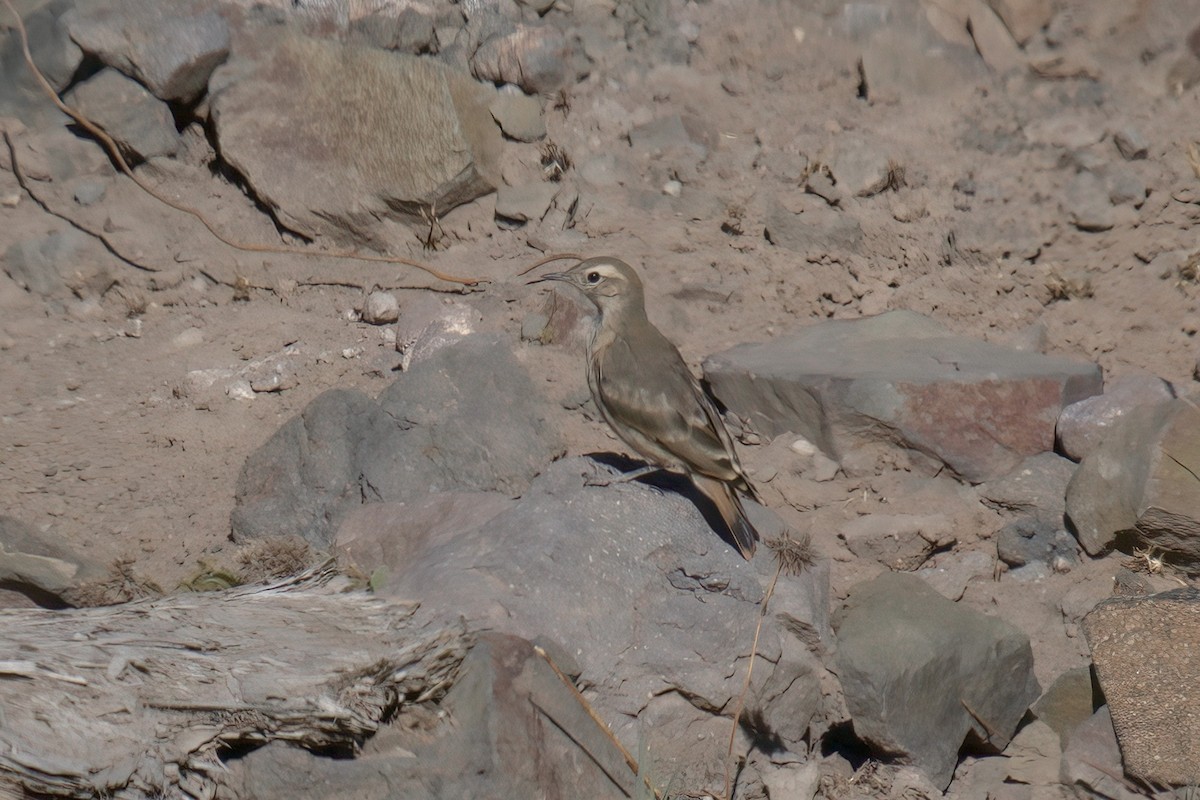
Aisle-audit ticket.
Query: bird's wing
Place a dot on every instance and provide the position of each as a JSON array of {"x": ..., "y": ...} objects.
[{"x": 653, "y": 394}]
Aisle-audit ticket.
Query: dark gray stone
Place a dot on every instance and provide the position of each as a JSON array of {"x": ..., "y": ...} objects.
[
  {"x": 1087, "y": 204},
  {"x": 902, "y": 378},
  {"x": 51, "y": 265},
  {"x": 1082, "y": 426},
  {"x": 1142, "y": 648},
  {"x": 401, "y": 133},
  {"x": 409, "y": 31},
  {"x": 636, "y": 583},
  {"x": 440, "y": 427},
  {"x": 899, "y": 64},
  {"x": 920, "y": 673},
  {"x": 137, "y": 120},
  {"x": 1034, "y": 540},
  {"x": 1091, "y": 765},
  {"x": 1067, "y": 704},
  {"x": 171, "y": 48},
  {"x": 56, "y": 56},
  {"x": 1131, "y": 142}
]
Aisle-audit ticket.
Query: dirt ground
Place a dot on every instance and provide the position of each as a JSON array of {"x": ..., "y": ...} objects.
[{"x": 102, "y": 445}]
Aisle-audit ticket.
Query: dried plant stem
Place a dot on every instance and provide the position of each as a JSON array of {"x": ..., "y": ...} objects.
[
  {"x": 114, "y": 152},
  {"x": 741, "y": 700}
]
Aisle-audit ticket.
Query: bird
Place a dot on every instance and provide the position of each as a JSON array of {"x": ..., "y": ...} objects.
[{"x": 649, "y": 397}]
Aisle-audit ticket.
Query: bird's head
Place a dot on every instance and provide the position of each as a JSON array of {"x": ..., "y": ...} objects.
[{"x": 609, "y": 283}]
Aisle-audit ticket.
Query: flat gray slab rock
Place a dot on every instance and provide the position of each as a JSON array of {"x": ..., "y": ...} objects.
[
  {"x": 1143, "y": 479},
  {"x": 635, "y": 585},
  {"x": 1143, "y": 649},
  {"x": 920, "y": 673},
  {"x": 978, "y": 408},
  {"x": 127, "y": 112},
  {"x": 377, "y": 135},
  {"x": 1082, "y": 426}
]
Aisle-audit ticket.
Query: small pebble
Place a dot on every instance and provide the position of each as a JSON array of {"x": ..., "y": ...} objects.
[
  {"x": 381, "y": 308},
  {"x": 240, "y": 389},
  {"x": 672, "y": 188}
]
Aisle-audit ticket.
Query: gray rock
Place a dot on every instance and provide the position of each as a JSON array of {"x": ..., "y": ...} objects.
[
  {"x": 900, "y": 377},
  {"x": 170, "y": 48},
  {"x": 862, "y": 169},
  {"x": 409, "y": 31},
  {"x": 1142, "y": 478},
  {"x": 920, "y": 673},
  {"x": 1148, "y": 672},
  {"x": 1082, "y": 426},
  {"x": 50, "y": 265},
  {"x": 295, "y": 97},
  {"x": 56, "y": 56},
  {"x": 992, "y": 39},
  {"x": 896, "y": 65},
  {"x": 1091, "y": 764},
  {"x": 1125, "y": 185},
  {"x": 1037, "y": 487},
  {"x": 437, "y": 428},
  {"x": 898, "y": 541},
  {"x": 540, "y": 59},
  {"x": 634, "y": 580},
  {"x": 1034, "y": 540},
  {"x": 1069, "y": 701},
  {"x": 1023, "y": 18},
  {"x": 140, "y": 122},
  {"x": 381, "y": 308},
  {"x": 1087, "y": 204},
  {"x": 44, "y": 570},
  {"x": 524, "y": 203},
  {"x": 950, "y": 573},
  {"x": 519, "y": 116},
  {"x": 1130, "y": 142},
  {"x": 430, "y": 324},
  {"x": 508, "y": 727},
  {"x": 806, "y": 223}
]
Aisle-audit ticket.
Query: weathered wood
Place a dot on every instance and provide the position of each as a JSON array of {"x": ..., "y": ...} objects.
[{"x": 140, "y": 699}]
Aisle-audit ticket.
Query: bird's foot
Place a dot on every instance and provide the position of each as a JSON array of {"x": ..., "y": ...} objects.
[{"x": 624, "y": 477}]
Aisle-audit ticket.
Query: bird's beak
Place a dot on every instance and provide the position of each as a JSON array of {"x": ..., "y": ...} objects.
[{"x": 551, "y": 276}]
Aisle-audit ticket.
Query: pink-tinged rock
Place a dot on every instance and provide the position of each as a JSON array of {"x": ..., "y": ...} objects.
[
  {"x": 904, "y": 379},
  {"x": 1082, "y": 425}
]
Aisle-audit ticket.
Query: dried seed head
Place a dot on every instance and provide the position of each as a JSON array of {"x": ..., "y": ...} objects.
[{"x": 794, "y": 554}]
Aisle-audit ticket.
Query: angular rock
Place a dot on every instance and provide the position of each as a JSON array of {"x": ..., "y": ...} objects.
[
  {"x": 171, "y": 48},
  {"x": 539, "y": 59},
  {"x": 430, "y": 324},
  {"x": 409, "y": 31},
  {"x": 992, "y": 39},
  {"x": 1023, "y": 18},
  {"x": 508, "y": 727},
  {"x": 140, "y": 122},
  {"x": 862, "y": 169},
  {"x": 437, "y": 428},
  {"x": 1035, "y": 540},
  {"x": 900, "y": 377},
  {"x": 50, "y": 265},
  {"x": 47, "y": 572},
  {"x": 1087, "y": 204},
  {"x": 639, "y": 587},
  {"x": 525, "y": 203},
  {"x": 1130, "y": 142},
  {"x": 897, "y": 65},
  {"x": 1069, "y": 701},
  {"x": 804, "y": 223},
  {"x": 1091, "y": 764},
  {"x": 1142, "y": 479},
  {"x": 921, "y": 674},
  {"x": 950, "y": 573},
  {"x": 1037, "y": 487},
  {"x": 56, "y": 56},
  {"x": 381, "y": 308},
  {"x": 898, "y": 541},
  {"x": 1141, "y": 647},
  {"x": 1082, "y": 426},
  {"x": 1034, "y": 756},
  {"x": 401, "y": 133},
  {"x": 519, "y": 116}
]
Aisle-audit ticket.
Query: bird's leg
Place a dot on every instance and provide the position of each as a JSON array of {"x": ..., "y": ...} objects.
[{"x": 624, "y": 477}]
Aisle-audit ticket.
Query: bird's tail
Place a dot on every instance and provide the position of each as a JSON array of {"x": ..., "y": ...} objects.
[{"x": 729, "y": 505}]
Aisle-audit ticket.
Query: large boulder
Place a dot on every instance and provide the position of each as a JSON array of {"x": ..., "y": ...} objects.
[
  {"x": 978, "y": 408},
  {"x": 922, "y": 674},
  {"x": 380, "y": 135}
]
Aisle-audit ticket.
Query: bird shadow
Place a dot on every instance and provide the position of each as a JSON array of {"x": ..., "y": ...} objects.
[{"x": 666, "y": 481}]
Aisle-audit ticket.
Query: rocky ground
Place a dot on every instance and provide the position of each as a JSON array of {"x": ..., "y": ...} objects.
[{"x": 1020, "y": 172}]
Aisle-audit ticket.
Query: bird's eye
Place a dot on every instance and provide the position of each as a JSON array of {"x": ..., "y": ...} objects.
[{"x": 593, "y": 277}]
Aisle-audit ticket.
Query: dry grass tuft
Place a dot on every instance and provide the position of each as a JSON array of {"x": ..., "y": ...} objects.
[
  {"x": 274, "y": 558},
  {"x": 793, "y": 554}
]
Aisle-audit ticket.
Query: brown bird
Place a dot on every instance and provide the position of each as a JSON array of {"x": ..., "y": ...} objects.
[{"x": 650, "y": 398}]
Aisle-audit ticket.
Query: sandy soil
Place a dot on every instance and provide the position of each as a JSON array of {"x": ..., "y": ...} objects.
[{"x": 101, "y": 445}]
